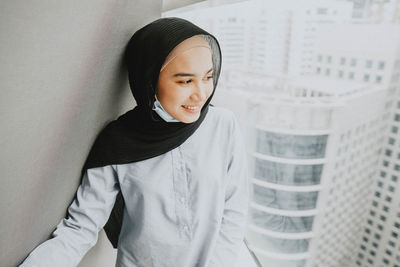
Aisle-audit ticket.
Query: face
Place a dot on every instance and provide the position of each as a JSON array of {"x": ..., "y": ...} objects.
[{"x": 186, "y": 83}]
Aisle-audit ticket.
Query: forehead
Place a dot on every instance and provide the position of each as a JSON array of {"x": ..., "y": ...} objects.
[{"x": 197, "y": 59}]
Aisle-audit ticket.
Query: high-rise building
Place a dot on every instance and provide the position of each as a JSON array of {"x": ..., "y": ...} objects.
[
  {"x": 273, "y": 37},
  {"x": 370, "y": 54},
  {"x": 313, "y": 162}
]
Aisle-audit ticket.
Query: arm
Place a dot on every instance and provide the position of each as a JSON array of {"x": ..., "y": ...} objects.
[
  {"x": 232, "y": 230},
  {"x": 87, "y": 214}
]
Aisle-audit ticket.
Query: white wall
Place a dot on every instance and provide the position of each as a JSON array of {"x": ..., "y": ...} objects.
[{"x": 61, "y": 80}]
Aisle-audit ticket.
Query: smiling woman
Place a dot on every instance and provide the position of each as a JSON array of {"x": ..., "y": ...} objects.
[
  {"x": 168, "y": 179},
  {"x": 184, "y": 98}
]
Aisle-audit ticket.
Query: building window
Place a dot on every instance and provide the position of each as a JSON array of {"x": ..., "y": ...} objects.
[
  {"x": 353, "y": 62},
  {"x": 380, "y": 227},
  {"x": 318, "y": 70},
  {"x": 368, "y": 64},
  {"x": 391, "y": 188},
  {"x": 394, "y": 129},
  {"x": 383, "y": 219},
  {"x": 366, "y": 77},
  {"x": 342, "y": 61},
  {"x": 378, "y": 79},
  {"x": 375, "y": 245},
  {"x": 391, "y": 141},
  {"x": 388, "y": 152},
  {"x": 340, "y": 74},
  {"x": 386, "y": 208},
  {"x": 377, "y": 236},
  {"x": 327, "y": 72},
  {"x": 397, "y": 117},
  {"x": 319, "y": 58},
  {"x": 394, "y": 179},
  {"x": 351, "y": 75},
  {"x": 386, "y": 163},
  {"x": 329, "y": 59},
  {"x": 397, "y": 167},
  {"x": 381, "y": 65},
  {"x": 388, "y": 199}
]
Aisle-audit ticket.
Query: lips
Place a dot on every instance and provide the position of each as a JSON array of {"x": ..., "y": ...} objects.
[{"x": 192, "y": 108}]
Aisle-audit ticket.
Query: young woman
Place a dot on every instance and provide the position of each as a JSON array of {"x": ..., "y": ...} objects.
[{"x": 168, "y": 179}]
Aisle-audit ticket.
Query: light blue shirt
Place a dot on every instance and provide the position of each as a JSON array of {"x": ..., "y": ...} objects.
[{"x": 184, "y": 208}]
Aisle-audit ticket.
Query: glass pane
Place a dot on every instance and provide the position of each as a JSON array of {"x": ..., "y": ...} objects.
[
  {"x": 284, "y": 200},
  {"x": 291, "y": 146},
  {"x": 282, "y": 224},
  {"x": 287, "y": 174},
  {"x": 278, "y": 245}
]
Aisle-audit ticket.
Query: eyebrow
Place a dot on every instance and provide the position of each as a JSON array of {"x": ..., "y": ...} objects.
[{"x": 181, "y": 74}]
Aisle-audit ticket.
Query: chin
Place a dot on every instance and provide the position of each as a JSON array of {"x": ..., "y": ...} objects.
[{"x": 187, "y": 119}]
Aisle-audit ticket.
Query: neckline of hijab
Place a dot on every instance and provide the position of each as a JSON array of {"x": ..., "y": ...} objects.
[{"x": 141, "y": 133}]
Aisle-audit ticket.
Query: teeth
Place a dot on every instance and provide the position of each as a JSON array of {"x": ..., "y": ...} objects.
[{"x": 189, "y": 107}]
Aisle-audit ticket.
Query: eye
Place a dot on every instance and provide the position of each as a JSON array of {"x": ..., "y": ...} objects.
[
  {"x": 209, "y": 77},
  {"x": 185, "y": 82}
]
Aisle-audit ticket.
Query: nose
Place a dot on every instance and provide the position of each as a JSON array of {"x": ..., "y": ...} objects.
[{"x": 200, "y": 92}]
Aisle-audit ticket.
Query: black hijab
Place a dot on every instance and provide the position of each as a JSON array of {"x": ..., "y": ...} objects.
[{"x": 141, "y": 133}]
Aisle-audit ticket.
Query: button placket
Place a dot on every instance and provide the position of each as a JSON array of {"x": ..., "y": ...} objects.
[{"x": 180, "y": 183}]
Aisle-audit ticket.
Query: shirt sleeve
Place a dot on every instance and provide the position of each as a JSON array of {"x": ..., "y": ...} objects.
[
  {"x": 233, "y": 223},
  {"x": 87, "y": 214}
]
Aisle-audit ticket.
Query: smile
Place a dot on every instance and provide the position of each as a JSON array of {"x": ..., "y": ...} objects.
[{"x": 192, "y": 109}]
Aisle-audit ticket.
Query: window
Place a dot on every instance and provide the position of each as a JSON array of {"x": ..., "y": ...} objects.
[
  {"x": 380, "y": 184},
  {"x": 397, "y": 117},
  {"x": 340, "y": 74},
  {"x": 329, "y": 59},
  {"x": 342, "y": 61},
  {"x": 388, "y": 199},
  {"x": 327, "y": 72},
  {"x": 395, "y": 235},
  {"x": 378, "y": 79},
  {"x": 388, "y": 152},
  {"x": 351, "y": 75},
  {"x": 394, "y": 129},
  {"x": 391, "y": 188},
  {"x": 366, "y": 77},
  {"x": 319, "y": 58},
  {"x": 386, "y": 163},
  {"x": 375, "y": 245},
  {"x": 391, "y": 141},
  {"x": 381, "y": 65},
  {"x": 397, "y": 167},
  {"x": 394, "y": 178},
  {"x": 377, "y": 236},
  {"x": 377, "y": 194},
  {"x": 368, "y": 64},
  {"x": 372, "y": 253},
  {"x": 374, "y": 203},
  {"x": 383, "y": 218},
  {"x": 318, "y": 70},
  {"x": 386, "y": 208},
  {"x": 353, "y": 62}
]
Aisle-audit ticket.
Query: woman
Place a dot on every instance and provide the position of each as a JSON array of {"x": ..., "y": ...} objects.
[{"x": 171, "y": 172}]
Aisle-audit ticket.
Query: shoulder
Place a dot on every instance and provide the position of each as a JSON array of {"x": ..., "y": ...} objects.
[
  {"x": 224, "y": 121},
  {"x": 222, "y": 115}
]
